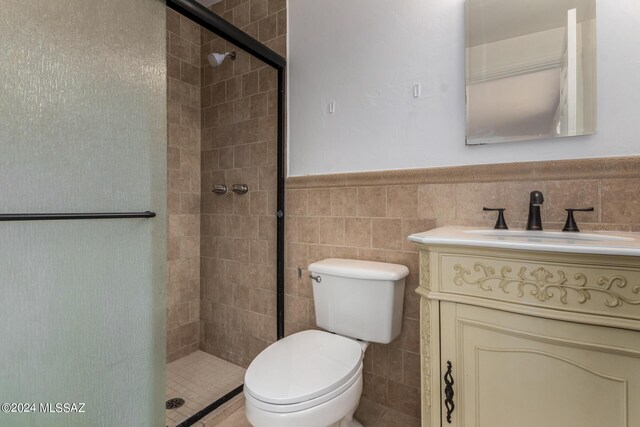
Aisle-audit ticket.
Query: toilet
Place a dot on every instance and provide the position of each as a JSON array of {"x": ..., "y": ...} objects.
[{"x": 314, "y": 378}]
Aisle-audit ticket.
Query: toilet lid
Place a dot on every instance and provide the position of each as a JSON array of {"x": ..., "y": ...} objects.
[{"x": 302, "y": 366}]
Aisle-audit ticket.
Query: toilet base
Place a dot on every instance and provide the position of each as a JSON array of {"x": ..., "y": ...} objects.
[{"x": 349, "y": 421}]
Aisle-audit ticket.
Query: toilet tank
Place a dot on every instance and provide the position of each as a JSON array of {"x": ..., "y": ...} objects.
[{"x": 359, "y": 299}]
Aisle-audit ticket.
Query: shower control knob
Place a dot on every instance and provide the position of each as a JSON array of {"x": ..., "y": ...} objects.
[
  {"x": 240, "y": 188},
  {"x": 220, "y": 189}
]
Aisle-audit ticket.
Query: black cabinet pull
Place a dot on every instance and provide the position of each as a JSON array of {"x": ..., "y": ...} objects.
[{"x": 448, "y": 392}]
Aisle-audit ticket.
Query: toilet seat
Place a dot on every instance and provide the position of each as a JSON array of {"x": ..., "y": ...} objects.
[
  {"x": 294, "y": 407},
  {"x": 303, "y": 370}
]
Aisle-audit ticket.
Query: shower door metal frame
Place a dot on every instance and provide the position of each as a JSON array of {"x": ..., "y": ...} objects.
[{"x": 222, "y": 28}]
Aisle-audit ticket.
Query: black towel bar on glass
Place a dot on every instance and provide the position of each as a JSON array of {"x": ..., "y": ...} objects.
[{"x": 62, "y": 216}]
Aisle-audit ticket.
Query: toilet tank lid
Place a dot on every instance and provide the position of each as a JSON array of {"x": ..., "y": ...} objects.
[{"x": 358, "y": 269}]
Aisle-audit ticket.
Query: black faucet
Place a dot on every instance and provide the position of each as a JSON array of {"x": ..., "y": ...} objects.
[{"x": 535, "y": 201}]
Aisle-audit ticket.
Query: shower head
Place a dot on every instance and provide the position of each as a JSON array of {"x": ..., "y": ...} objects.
[{"x": 216, "y": 59}]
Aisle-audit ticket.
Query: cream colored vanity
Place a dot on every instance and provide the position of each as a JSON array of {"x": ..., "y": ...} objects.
[{"x": 529, "y": 328}]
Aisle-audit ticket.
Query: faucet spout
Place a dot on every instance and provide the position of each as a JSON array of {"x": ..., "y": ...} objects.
[{"x": 534, "y": 222}]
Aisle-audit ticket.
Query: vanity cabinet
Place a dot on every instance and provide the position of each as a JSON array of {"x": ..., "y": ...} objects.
[{"x": 528, "y": 338}]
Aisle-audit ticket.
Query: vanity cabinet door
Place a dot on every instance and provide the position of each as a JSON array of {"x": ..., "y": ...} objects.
[{"x": 516, "y": 370}]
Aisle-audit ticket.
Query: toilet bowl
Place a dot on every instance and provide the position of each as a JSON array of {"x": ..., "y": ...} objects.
[{"x": 314, "y": 378}]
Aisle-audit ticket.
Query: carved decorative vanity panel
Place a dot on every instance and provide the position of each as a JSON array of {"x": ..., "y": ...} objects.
[
  {"x": 516, "y": 337},
  {"x": 597, "y": 285}
]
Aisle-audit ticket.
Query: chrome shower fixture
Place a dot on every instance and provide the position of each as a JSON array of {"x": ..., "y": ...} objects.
[{"x": 216, "y": 59}]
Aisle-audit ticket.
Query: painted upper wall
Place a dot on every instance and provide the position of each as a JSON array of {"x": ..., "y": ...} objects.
[{"x": 367, "y": 55}]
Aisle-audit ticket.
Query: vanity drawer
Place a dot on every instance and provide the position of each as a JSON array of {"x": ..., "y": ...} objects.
[{"x": 542, "y": 280}]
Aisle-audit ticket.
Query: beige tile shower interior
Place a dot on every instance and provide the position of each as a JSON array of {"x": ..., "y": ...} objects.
[
  {"x": 200, "y": 379},
  {"x": 183, "y": 199},
  {"x": 221, "y": 249},
  {"x": 238, "y": 247},
  {"x": 222, "y": 124}
]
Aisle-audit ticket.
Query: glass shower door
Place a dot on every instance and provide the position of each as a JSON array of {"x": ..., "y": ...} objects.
[{"x": 83, "y": 129}]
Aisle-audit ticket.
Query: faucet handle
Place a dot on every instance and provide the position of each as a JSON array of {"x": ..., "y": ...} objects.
[
  {"x": 500, "y": 223},
  {"x": 571, "y": 224}
]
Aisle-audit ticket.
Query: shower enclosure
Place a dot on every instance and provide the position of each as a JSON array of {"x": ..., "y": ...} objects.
[
  {"x": 226, "y": 132},
  {"x": 82, "y": 264}
]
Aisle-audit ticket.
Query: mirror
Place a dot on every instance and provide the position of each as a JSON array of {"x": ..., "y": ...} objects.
[{"x": 530, "y": 69}]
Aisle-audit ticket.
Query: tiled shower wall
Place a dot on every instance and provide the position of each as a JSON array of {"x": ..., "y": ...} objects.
[
  {"x": 238, "y": 247},
  {"x": 183, "y": 110},
  {"x": 372, "y": 221}
]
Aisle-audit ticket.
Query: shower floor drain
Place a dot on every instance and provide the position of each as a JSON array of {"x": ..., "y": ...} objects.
[{"x": 174, "y": 403}]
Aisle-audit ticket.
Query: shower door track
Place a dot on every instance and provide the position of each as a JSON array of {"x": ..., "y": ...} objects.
[{"x": 229, "y": 32}]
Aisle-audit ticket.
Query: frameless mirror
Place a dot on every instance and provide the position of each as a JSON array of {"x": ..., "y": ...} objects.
[{"x": 530, "y": 69}]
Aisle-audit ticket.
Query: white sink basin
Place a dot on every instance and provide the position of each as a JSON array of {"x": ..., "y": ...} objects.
[
  {"x": 605, "y": 243},
  {"x": 547, "y": 236}
]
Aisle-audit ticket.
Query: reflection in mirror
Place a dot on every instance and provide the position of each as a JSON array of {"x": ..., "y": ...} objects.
[{"x": 530, "y": 69}]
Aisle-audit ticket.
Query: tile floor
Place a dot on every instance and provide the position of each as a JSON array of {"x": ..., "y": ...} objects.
[
  {"x": 199, "y": 379},
  {"x": 235, "y": 419},
  {"x": 369, "y": 414}
]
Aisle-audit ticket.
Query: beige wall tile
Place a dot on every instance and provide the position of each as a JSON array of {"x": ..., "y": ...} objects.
[
  {"x": 331, "y": 230},
  {"x": 296, "y": 202},
  {"x": 173, "y": 21},
  {"x": 386, "y": 233},
  {"x": 296, "y": 255},
  {"x": 560, "y": 195},
  {"x": 472, "y": 197},
  {"x": 514, "y": 197},
  {"x": 250, "y": 83},
  {"x": 358, "y": 232},
  {"x": 436, "y": 201},
  {"x": 344, "y": 201},
  {"x": 621, "y": 201},
  {"x": 318, "y": 253},
  {"x": 241, "y": 109},
  {"x": 404, "y": 399},
  {"x": 319, "y": 202},
  {"x": 435, "y": 205},
  {"x": 277, "y": 5},
  {"x": 259, "y": 251},
  {"x": 258, "y": 9},
  {"x": 297, "y": 310},
  {"x": 189, "y": 30},
  {"x": 402, "y": 201},
  {"x": 366, "y": 254},
  {"x": 372, "y": 201},
  {"x": 345, "y": 252},
  {"x": 282, "y": 23},
  {"x": 387, "y": 361},
  {"x": 375, "y": 388},
  {"x": 307, "y": 231},
  {"x": 412, "y": 226}
]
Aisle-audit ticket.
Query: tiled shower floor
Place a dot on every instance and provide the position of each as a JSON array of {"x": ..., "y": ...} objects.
[{"x": 199, "y": 379}]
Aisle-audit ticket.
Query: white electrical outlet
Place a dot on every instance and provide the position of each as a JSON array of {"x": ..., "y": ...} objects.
[
  {"x": 332, "y": 107},
  {"x": 416, "y": 90}
]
